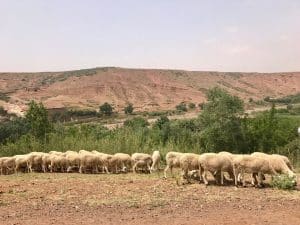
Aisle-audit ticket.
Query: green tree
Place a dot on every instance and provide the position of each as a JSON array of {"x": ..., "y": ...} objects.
[
  {"x": 106, "y": 109},
  {"x": 37, "y": 118},
  {"x": 192, "y": 105},
  {"x": 181, "y": 107},
  {"x": 128, "y": 109},
  {"x": 220, "y": 121},
  {"x": 136, "y": 122}
]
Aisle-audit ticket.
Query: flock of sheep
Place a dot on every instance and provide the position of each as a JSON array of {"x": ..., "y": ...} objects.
[{"x": 192, "y": 165}]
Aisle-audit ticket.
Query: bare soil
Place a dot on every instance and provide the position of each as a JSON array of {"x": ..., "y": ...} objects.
[{"x": 138, "y": 199}]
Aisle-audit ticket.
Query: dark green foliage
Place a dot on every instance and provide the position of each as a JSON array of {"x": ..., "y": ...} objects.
[
  {"x": 2, "y": 111},
  {"x": 283, "y": 182},
  {"x": 285, "y": 100},
  {"x": 37, "y": 118},
  {"x": 160, "y": 122},
  {"x": 181, "y": 107},
  {"x": 4, "y": 97},
  {"x": 106, "y": 109},
  {"x": 201, "y": 105},
  {"x": 192, "y": 105},
  {"x": 128, "y": 109},
  {"x": 12, "y": 130},
  {"x": 221, "y": 122},
  {"x": 136, "y": 122}
]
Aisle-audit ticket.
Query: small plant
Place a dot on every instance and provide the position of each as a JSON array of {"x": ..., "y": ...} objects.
[
  {"x": 192, "y": 105},
  {"x": 181, "y": 107},
  {"x": 128, "y": 109},
  {"x": 283, "y": 182},
  {"x": 106, "y": 109}
]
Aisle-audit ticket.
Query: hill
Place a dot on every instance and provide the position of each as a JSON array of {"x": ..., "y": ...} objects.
[{"x": 147, "y": 89}]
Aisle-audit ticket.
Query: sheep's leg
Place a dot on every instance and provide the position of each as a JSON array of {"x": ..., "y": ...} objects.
[
  {"x": 204, "y": 178},
  {"x": 243, "y": 180},
  {"x": 149, "y": 168},
  {"x": 222, "y": 177},
  {"x": 235, "y": 173},
  {"x": 134, "y": 168},
  {"x": 165, "y": 171},
  {"x": 254, "y": 179}
]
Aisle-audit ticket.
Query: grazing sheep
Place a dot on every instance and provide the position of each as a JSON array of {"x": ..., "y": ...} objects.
[
  {"x": 34, "y": 161},
  {"x": 253, "y": 165},
  {"x": 7, "y": 165},
  {"x": 155, "y": 161},
  {"x": 137, "y": 159},
  {"x": 89, "y": 160},
  {"x": 58, "y": 162},
  {"x": 277, "y": 162},
  {"x": 125, "y": 161},
  {"x": 55, "y": 153},
  {"x": 189, "y": 162},
  {"x": 110, "y": 163},
  {"x": 173, "y": 161},
  {"x": 73, "y": 160},
  {"x": 21, "y": 163},
  {"x": 216, "y": 164},
  {"x": 287, "y": 161}
]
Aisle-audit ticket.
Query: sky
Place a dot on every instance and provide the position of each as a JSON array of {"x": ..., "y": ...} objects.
[{"x": 212, "y": 35}]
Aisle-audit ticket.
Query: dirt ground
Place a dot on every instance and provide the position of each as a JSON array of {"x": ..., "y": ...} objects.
[{"x": 138, "y": 199}]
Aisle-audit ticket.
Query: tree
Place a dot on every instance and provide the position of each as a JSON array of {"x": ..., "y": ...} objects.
[
  {"x": 128, "y": 109},
  {"x": 181, "y": 107},
  {"x": 160, "y": 122},
  {"x": 37, "y": 118},
  {"x": 136, "y": 122},
  {"x": 106, "y": 109},
  {"x": 192, "y": 105},
  {"x": 220, "y": 121}
]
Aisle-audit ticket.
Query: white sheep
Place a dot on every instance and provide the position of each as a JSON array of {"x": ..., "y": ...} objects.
[
  {"x": 253, "y": 165},
  {"x": 155, "y": 161},
  {"x": 137, "y": 159},
  {"x": 7, "y": 165},
  {"x": 125, "y": 161},
  {"x": 73, "y": 160},
  {"x": 21, "y": 163},
  {"x": 173, "y": 161},
  {"x": 286, "y": 160},
  {"x": 216, "y": 164},
  {"x": 189, "y": 162},
  {"x": 58, "y": 162},
  {"x": 89, "y": 160}
]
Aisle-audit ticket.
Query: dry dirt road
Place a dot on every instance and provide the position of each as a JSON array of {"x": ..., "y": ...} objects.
[{"x": 138, "y": 199}]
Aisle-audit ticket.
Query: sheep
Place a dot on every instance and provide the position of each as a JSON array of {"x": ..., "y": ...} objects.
[
  {"x": 34, "y": 161},
  {"x": 55, "y": 153},
  {"x": 251, "y": 164},
  {"x": 173, "y": 161},
  {"x": 58, "y": 162},
  {"x": 189, "y": 162},
  {"x": 89, "y": 160},
  {"x": 21, "y": 162},
  {"x": 286, "y": 160},
  {"x": 137, "y": 158},
  {"x": 277, "y": 162},
  {"x": 215, "y": 164},
  {"x": 155, "y": 161},
  {"x": 110, "y": 162},
  {"x": 7, "y": 164},
  {"x": 125, "y": 161},
  {"x": 73, "y": 160}
]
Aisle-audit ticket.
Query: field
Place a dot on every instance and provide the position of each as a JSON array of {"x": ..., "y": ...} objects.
[{"x": 138, "y": 199}]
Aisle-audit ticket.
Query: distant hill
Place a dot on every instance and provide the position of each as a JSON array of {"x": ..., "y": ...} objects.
[{"x": 147, "y": 89}]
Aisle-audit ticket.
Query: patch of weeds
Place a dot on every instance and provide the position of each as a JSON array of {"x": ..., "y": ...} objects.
[{"x": 283, "y": 182}]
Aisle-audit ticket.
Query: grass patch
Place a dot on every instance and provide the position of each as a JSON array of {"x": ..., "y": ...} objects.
[{"x": 283, "y": 182}]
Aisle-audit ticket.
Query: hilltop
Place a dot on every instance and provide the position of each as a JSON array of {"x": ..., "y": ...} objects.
[{"x": 147, "y": 89}]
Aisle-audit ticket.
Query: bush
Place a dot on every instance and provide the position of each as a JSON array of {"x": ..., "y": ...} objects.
[
  {"x": 283, "y": 182},
  {"x": 192, "y": 105},
  {"x": 106, "y": 109},
  {"x": 128, "y": 109},
  {"x": 181, "y": 107},
  {"x": 201, "y": 105},
  {"x": 136, "y": 122}
]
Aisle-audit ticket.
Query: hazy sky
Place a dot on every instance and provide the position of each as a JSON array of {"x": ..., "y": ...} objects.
[{"x": 228, "y": 35}]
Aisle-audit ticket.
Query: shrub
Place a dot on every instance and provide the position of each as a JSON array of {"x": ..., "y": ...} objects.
[
  {"x": 106, "y": 109},
  {"x": 128, "y": 109},
  {"x": 283, "y": 182},
  {"x": 192, "y": 105},
  {"x": 201, "y": 105},
  {"x": 136, "y": 122},
  {"x": 181, "y": 107}
]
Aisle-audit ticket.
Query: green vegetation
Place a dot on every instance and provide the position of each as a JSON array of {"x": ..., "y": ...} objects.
[
  {"x": 128, "y": 109},
  {"x": 106, "y": 109},
  {"x": 222, "y": 125},
  {"x": 192, "y": 105},
  {"x": 4, "y": 97},
  {"x": 283, "y": 182},
  {"x": 285, "y": 100},
  {"x": 181, "y": 107}
]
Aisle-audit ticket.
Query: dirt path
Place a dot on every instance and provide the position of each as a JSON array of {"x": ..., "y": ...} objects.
[{"x": 138, "y": 199}]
